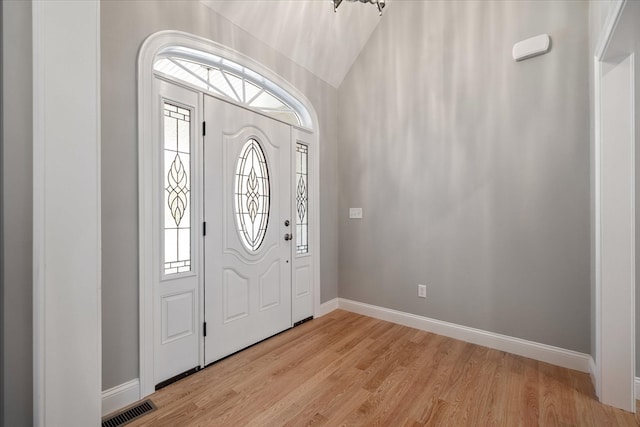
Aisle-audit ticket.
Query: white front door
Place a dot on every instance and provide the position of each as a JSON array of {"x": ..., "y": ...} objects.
[{"x": 247, "y": 173}]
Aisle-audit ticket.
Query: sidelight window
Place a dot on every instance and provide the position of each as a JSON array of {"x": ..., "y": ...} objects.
[
  {"x": 302, "y": 199},
  {"x": 177, "y": 189}
]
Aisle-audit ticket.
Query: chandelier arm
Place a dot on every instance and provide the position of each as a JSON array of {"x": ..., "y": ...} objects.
[{"x": 379, "y": 4}]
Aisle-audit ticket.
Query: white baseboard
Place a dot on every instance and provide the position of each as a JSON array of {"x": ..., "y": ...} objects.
[
  {"x": 592, "y": 374},
  {"x": 541, "y": 352},
  {"x": 125, "y": 394},
  {"x": 327, "y": 307},
  {"x": 120, "y": 396}
]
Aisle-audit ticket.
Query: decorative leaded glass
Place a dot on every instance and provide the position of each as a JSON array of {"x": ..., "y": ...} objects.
[
  {"x": 302, "y": 199},
  {"x": 225, "y": 83},
  {"x": 177, "y": 183},
  {"x": 252, "y": 188}
]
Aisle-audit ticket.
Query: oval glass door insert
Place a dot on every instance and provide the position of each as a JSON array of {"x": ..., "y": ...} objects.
[{"x": 252, "y": 189}]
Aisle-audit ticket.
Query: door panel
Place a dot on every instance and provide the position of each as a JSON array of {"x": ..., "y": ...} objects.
[
  {"x": 270, "y": 287},
  {"x": 303, "y": 281},
  {"x": 247, "y": 163},
  {"x": 235, "y": 296},
  {"x": 178, "y": 312}
]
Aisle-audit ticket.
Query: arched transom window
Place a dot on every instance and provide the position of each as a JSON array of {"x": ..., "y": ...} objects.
[{"x": 227, "y": 79}]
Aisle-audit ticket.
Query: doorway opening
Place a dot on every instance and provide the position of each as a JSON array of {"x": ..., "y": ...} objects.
[{"x": 228, "y": 205}]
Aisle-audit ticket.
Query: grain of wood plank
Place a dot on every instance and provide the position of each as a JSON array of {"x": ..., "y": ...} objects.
[{"x": 352, "y": 370}]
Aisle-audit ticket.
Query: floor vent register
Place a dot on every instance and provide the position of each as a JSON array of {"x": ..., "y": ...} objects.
[{"x": 127, "y": 415}]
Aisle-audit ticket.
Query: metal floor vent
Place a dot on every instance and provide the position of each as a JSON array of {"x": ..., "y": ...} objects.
[{"x": 130, "y": 414}]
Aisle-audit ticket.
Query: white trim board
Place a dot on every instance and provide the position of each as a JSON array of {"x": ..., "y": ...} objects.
[
  {"x": 67, "y": 333},
  {"x": 593, "y": 372},
  {"x": 326, "y": 307},
  {"x": 120, "y": 396},
  {"x": 541, "y": 352},
  {"x": 127, "y": 393},
  {"x": 614, "y": 204}
]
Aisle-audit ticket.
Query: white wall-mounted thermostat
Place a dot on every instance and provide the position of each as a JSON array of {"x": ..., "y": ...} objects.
[{"x": 538, "y": 45}]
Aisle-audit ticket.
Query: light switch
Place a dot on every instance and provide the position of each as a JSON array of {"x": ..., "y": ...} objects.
[{"x": 355, "y": 213}]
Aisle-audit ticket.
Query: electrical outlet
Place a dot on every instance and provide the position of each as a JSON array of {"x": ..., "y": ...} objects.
[{"x": 422, "y": 291}]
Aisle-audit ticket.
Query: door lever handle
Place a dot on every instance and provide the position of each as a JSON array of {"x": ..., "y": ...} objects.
[{"x": 288, "y": 236}]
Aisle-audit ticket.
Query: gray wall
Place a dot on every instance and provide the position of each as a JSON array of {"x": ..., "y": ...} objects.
[
  {"x": 17, "y": 196},
  {"x": 472, "y": 169},
  {"x": 125, "y": 25},
  {"x": 637, "y": 196},
  {"x": 1, "y": 230}
]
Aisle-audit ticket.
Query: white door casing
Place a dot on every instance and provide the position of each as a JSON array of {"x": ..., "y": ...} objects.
[
  {"x": 617, "y": 218},
  {"x": 247, "y": 290},
  {"x": 148, "y": 179},
  {"x": 615, "y": 140}
]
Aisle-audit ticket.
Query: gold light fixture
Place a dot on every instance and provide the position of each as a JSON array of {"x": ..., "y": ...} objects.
[{"x": 379, "y": 3}]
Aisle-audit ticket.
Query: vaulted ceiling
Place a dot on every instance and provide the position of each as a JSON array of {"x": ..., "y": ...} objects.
[{"x": 306, "y": 31}]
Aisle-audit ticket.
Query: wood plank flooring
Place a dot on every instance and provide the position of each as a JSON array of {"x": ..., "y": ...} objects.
[{"x": 350, "y": 370}]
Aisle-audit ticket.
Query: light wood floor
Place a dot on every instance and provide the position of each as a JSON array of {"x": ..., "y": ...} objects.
[{"x": 347, "y": 369}]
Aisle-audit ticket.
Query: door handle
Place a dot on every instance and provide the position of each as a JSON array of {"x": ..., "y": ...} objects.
[{"x": 288, "y": 236}]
